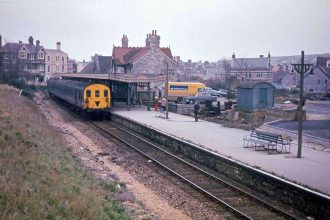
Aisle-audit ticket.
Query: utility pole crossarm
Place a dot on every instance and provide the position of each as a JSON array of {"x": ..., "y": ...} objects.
[{"x": 301, "y": 69}]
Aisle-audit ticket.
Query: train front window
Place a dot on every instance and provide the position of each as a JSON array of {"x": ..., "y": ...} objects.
[
  {"x": 105, "y": 93},
  {"x": 88, "y": 93},
  {"x": 97, "y": 93}
]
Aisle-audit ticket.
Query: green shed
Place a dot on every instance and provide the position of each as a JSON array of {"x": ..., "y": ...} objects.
[{"x": 255, "y": 95}]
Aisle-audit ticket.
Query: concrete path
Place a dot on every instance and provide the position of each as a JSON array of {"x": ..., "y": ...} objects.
[{"x": 313, "y": 170}]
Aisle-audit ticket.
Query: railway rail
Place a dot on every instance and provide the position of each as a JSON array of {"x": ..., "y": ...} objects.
[{"x": 238, "y": 201}]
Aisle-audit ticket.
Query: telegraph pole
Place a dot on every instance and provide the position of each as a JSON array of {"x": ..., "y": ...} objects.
[{"x": 302, "y": 69}]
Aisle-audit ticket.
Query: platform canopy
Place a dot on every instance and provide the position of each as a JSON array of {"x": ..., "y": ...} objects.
[{"x": 127, "y": 78}]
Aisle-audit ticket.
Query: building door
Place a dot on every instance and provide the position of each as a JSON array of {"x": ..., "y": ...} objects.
[{"x": 263, "y": 97}]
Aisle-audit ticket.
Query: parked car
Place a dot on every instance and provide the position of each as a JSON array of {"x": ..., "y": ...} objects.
[
  {"x": 222, "y": 93},
  {"x": 202, "y": 97},
  {"x": 213, "y": 92}
]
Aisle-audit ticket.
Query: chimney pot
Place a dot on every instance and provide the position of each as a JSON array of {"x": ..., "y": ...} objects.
[
  {"x": 58, "y": 45},
  {"x": 38, "y": 42}
]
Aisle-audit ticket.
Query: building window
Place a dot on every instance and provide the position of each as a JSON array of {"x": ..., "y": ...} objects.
[
  {"x": 63, "y": 59},
  {"x": 22, "y": 54},
  {"x": 63, "y": 69},
  {"x": 325, "y": 81},
  {"x": 88, "y": 93},
  {"x": 318, "y": 81},
  {"x": 57, "y": 58},
  {"x": 48, "y": 68},
  {"x": 41, "y": 55},
  {"x": 48, "y": 58}
]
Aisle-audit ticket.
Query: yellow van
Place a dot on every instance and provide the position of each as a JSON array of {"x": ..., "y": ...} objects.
[{"x": 178, "y": 90}]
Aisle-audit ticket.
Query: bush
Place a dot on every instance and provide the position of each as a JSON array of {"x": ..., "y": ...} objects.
[{"x": 282, "y": 92}]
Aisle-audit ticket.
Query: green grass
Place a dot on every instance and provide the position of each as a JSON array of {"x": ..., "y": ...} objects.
[{"x": 39, "y": 179}]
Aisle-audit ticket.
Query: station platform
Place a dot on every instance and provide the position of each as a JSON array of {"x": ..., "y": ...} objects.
[{"x": 312, "y": 170}]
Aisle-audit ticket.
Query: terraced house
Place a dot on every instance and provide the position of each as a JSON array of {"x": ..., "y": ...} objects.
[
  {"x": 56, "y": 61},
  {"x": 23, "y": 60}
]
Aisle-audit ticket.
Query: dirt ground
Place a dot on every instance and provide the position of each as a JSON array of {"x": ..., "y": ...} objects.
[{"x": 145, "y": 193}]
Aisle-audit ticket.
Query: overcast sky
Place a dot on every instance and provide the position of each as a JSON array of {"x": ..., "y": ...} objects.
[{"x": 197, "y": 30}]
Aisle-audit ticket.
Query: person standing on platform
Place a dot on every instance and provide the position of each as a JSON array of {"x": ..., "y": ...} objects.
[
  {"x": 156, "y": 103},
  {"x": 196, "y": 109}
]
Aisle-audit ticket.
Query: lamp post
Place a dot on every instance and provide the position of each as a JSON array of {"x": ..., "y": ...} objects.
[
  {"x": 167, "y": 71},
  {"x": 302, "y": 69}
]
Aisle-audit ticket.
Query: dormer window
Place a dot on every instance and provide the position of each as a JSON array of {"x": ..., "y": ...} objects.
[{"x": 23, "y": 54}]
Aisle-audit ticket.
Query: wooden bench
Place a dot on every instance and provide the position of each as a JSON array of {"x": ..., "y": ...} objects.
[{"x": 261, "y": 140}]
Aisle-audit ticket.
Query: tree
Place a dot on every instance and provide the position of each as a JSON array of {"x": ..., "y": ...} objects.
[{"x": 226, "y": 65}]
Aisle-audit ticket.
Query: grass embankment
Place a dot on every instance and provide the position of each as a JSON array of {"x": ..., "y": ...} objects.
[{"x": 39, "y": 179}]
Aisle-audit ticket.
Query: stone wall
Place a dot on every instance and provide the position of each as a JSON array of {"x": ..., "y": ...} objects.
[
  {"x": 270, "y": 114},
  {"x": 307, "y": 201},
  {"x": 152, "y": 63}
]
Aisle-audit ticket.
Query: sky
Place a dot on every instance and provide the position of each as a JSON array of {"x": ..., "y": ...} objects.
[{"x": 198, "y": 30}]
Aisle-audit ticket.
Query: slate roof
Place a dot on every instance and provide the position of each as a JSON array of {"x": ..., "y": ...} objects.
[
  {"x": 279, "y": 76},
  {"x": 251, "y": 85},
  {"x": 124, "y": 55},
  {"x": 15, "y": 47},
  {"x": 250, "y": 63},
  {"x": 99, "y": 64},
  {"x": 326, "y": 71},
  {"x": 104, "y": 63},
  {"x": 89, "y": 68}
]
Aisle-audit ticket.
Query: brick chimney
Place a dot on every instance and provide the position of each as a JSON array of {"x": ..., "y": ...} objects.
[
  {"x": 31, "y": 40},
  {"x": 233, "y": 56},
  {"x": 269, "y": 62},
  {"x": 38, "y": 42},
  {"x": 0, "y": 41},
  {"x": 58, "y": 46},
  {"x": 321, "y": 61},
  {"x": 124, "y": 41},
  {"x": 148, "y": 40}
]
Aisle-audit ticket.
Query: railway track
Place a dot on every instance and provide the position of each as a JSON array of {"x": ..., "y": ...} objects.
[{"x": 238, "y": 201}]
